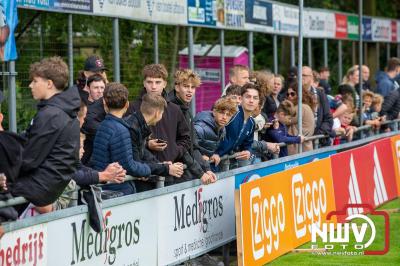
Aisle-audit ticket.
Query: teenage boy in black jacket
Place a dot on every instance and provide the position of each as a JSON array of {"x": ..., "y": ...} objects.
[
  {"x": 170, "y": 138},
  {"x": 52, "y": 150},
  {"x": 186, "y": 82},
  {"x": 151, "y": 111}
]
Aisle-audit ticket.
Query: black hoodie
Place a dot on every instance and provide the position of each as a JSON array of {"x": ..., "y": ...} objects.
[{"x": 51, "y": 153}]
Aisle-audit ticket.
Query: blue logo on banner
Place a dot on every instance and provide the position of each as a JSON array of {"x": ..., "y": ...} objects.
[
  {"x": 259, "y": 173},
  {"x": 367, "y": 29},
  {"x": 202, "y": 12},
  {"x": 259, "y": 12},
  {"x": 8, "y": 23}
]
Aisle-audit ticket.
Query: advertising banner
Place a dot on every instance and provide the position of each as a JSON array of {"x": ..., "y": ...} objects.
[
  {"x": 367, "y": 29},
  {"x": 394, "y": 30},
  {"x": 285, "y": 19},
  {"x": 396, "y": 159},
  {"x": 8, "y": 23},
  {"x": 28, "y": 246},
  {"x": 85, "y": 6},
  {"x": 352, "y": 27},
  {"x": 341, "y": 26},
  {"x": 381, "y": 30},
  {"x": 203, "y": 12},
  {"x": 157, "y": 11},
  {"x": 129, "y": 237},
  {"x": 259, "y": 15},
  {"x": 234, "y": 13},
  {"x": 256, "y": 174},
  {"x": 195, "y": 219},
  {"x": 364, "y": 175},
  {"x": 277, "y": 212},
  {"x": 319, "y": 24}
]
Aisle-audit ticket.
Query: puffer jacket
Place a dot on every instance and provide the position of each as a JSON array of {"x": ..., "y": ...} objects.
[
  {"x": 391, "y": 105},
  {"x": 207, "y": 135},
  {"x": 51, "y": 153},
  {"x": 113, "y": 144},
  {"x": 239, "y": 137}
]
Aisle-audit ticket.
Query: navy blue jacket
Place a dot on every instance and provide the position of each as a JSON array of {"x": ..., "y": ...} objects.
[
  {"x": 238, "y": 137},
  {"x": 207, "y": 135},
  {"x": 113, "y": 144},
  {"x": 384, "y": 84},
  {"x": 280, "y": 135}
]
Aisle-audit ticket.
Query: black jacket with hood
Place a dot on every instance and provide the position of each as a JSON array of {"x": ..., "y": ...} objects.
[
  {"x": 194, "y": 160},
  {"x": 51, "y": 153},
  {"x": 139, "y": 132},
  {"x": 172, "y": 127}
]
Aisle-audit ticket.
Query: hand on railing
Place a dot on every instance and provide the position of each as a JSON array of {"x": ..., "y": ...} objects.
[
  {"x": 175, "y": 169},
  {"x": 114, "y": 173}
]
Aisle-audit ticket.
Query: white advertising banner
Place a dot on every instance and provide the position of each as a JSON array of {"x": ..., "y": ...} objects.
[
  {"x": 194, "y": 220},
  {"x": 381, "y": 30},
  {"x": 28, "y": 246},
  {"x": 234, "y": 13},
  {"x": 319, "y": 24},
  {"x": 286, "y": 19},
  {"x": 157, "y": 11},
  {"x": 129, "y": 238}
]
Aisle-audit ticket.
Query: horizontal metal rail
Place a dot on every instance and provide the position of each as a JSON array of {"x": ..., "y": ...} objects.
[{"x": 160, "y": 179}]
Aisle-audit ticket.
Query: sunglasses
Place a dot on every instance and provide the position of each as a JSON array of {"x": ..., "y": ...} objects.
[{"x": 291, "y": 94}]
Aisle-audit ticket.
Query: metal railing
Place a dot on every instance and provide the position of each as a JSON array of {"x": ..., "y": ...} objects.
[{"x": 225, "y": 160}]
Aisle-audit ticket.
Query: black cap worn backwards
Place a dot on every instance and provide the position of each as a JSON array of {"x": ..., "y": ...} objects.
[{"x": 94, "y": 63}]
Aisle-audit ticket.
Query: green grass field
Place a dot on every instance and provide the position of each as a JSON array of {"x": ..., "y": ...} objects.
[{"x": 390, "y": 258}]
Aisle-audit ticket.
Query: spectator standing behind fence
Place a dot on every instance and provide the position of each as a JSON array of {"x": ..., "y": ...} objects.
[
  {"x": 210, "y": 126},
  {"x": 170, "y": 137},
  {"x": 186, "y": 82},
  {"x": 352, "y": 79},
  {"x": 94, "y": 64},
  {"x": 151, "y": 112},
  {"x": 385, "y": 80},
  {"x": 365, "y": 72},
  {"x": 50, "y": 155},
  {"x": 240, "y": 130},
  {"x": 343, "y": 128},
  {"x": 390, "y": 107},
  {"x": 370, "y": 115},
  {"x": 233, "y": 93},
  {"x": 113, "y": 141},
  {"x": 96, "y": 85},
  {"x": 324, "y": 74},
  {"x": 308, "y": 121},
  {"x": 277, "y": 132},
  {"x": 265, "y": 80},
  {"x": 238, "y": 75},
  {"x": 322, "y": 115},
  {"x": 279, "y": 80}
]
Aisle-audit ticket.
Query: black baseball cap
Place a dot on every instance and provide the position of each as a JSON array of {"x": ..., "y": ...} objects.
[
  {"x": 94, "y": 63},
  {"x": 1, "y": 96}
]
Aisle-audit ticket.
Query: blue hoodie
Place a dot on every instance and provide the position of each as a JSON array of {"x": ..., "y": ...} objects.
[
  {"x": 384, "y": 84},
  {"x": 239, "y": 137}
]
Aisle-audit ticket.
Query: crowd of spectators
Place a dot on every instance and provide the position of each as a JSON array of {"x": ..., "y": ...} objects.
[{"x": 90, "y": 134}]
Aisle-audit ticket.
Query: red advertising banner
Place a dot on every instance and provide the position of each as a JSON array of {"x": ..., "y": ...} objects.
[
  {"x": 341, "y": 26},
  {"x": 394, "y": 30},
  {"x": 364, "y": 175},
  {"x": 384, "y": 181}
]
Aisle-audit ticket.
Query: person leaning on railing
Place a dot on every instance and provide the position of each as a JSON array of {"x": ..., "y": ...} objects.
[
  {"x": 150, "y": 113},
  {"x": 210, "y": 127}
]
